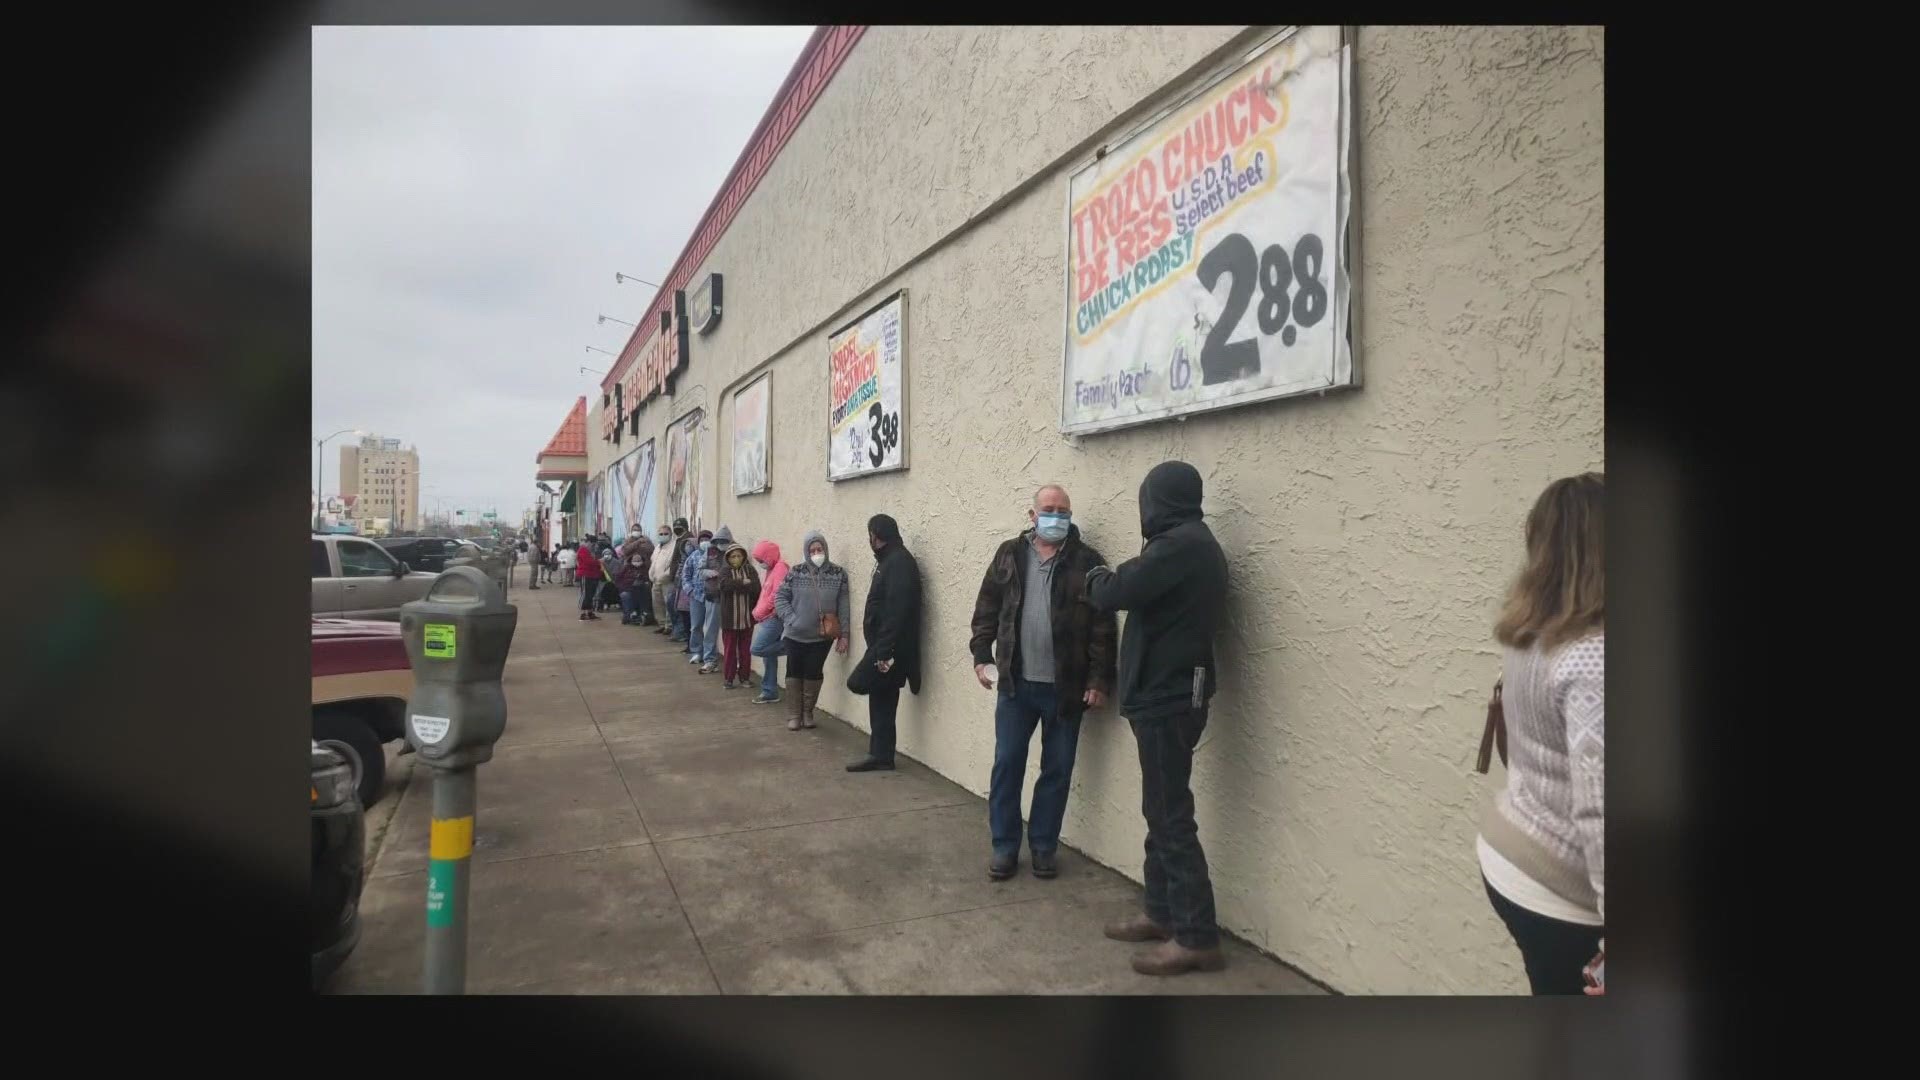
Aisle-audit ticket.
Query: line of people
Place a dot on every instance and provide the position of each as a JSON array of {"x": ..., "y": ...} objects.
[{"x": 1044, "y": 637}]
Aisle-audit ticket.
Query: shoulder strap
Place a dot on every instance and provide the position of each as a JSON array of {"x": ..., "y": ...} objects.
[{"x": 1495, "y": 733}]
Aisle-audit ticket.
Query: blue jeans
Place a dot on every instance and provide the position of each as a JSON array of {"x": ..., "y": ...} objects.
[
  {"x": 1020, "y": 708},
  {"x": 697, "y": 621},
  {"x": 629, "y": 611},
  {"x": 769, "y": 646},
  {"x": 679, "y": 624},
  {"x": 712, "y": 638}
]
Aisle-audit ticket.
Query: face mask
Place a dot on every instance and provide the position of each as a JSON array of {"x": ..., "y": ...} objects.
[
  {"x": 705, "y": 544},
  {"x": 661, "y": 539},
  {"x": 818, "y": 558},
  {"x": 1053, "y": 527}
]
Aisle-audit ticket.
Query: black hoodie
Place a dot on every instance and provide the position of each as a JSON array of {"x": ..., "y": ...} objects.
[{"x": 1173, "y": 594}]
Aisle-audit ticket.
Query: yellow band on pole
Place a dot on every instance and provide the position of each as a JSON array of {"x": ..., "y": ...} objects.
[{"x": 452, "y": 838}]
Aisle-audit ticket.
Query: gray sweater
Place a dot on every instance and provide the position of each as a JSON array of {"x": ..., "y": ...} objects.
[
  {"x": 1550, "y": 820},
  {"x": 808, "y": 592}
]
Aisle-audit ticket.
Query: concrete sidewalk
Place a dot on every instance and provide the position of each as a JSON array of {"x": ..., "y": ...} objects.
[{"x": 641, "y": 831}]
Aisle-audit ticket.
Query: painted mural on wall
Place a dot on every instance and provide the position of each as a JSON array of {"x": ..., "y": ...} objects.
[
  {"x": 632, "y": 491},
  {"x": 750, "y": 415},
  {"x": 1207, "y": 251},
  {"x": 867, "y": 392},
  {"x": 595, "y": 510},
  {"x": 683, "y": 468}
]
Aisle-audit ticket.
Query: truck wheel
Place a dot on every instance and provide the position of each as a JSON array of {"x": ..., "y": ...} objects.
[{"x": 355, "y": 731}]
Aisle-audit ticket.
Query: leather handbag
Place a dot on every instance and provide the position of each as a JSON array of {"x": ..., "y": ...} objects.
[
  {"x": 1495, "y": 733},
  {"x": 830, "y": 625}
]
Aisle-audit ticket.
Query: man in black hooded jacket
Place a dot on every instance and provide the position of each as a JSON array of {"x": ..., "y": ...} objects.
[
  {"x": 1173, "y": 594},
  {"x": 891, "y": 626}
]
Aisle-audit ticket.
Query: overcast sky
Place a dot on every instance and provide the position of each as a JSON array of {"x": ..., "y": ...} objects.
[{"x": 474, "y": 191}]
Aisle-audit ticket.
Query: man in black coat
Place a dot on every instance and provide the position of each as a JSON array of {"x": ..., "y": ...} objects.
[
  {"x": 1173, "y": 593},
  {"x": 891, "y": 627}
]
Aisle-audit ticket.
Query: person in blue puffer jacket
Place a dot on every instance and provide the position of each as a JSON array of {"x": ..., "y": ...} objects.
[{"x": 693, "y": 585}]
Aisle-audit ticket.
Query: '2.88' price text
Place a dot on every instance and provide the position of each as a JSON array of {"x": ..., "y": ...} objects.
[{"x": 1280, "y": 309}]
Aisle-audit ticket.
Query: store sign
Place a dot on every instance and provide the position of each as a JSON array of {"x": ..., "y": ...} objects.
[
  {"x": 703, "y": 305},
  {"x": 1207, "y": 250},
  {"x": 652, "y": 373}
]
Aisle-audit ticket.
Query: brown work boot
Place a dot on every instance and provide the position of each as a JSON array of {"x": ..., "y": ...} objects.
[
  {"x": 1137, "y": 927},
  {"x": 1173, "y": 958},
  {"x": 795, "y": 695},
  {"x": 812, "y": 688}
]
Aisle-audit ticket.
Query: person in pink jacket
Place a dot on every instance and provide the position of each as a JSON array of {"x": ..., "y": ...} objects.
[{"x": 768, "y": 643}]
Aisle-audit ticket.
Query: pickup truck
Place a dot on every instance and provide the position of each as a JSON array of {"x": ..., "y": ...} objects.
[
  {"x": 429, "y": 553},
  {"x": 354, "y": 578},
  {"x": 362, "y": 678}
]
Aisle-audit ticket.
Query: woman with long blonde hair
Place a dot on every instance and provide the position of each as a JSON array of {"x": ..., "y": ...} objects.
[{"x": 1543, "y": 839}]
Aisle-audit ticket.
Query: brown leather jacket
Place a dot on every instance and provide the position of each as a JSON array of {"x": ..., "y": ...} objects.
[{"x": 1083, "y": 639}]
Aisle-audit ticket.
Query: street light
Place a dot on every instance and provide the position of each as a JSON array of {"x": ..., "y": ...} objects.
[
  {"x": 605, "y": 319},
  {"x": 585, "y": 370},
  {"x": 319, "y": 470},
  {"x": 603, "y": 352},
  {"x": 621, "y": 279}
]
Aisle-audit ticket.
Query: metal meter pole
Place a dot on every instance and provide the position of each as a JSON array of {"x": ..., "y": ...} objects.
[{"x": 448, "y": 872}]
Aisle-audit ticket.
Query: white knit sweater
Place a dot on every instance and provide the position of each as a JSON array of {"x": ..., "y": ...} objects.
[{"x": 1550, "y": 820}]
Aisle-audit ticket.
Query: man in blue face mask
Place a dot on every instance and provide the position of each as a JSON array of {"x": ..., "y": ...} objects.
[{"x": 1054, "y": 658}]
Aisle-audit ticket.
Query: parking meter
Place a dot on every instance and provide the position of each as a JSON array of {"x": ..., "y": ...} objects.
[
  {"x": 486, "y": 564},
  {"x": 495, "y": 563},
  {"x": 457, "y": 637}
]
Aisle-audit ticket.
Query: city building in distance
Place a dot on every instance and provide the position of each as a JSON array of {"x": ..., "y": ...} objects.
[{"x": 384, "y": 480}]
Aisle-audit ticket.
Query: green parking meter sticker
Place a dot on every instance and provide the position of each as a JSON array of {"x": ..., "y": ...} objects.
[
  {"x": 440, "y": 640},
  {"x": 440, "y": 892}
]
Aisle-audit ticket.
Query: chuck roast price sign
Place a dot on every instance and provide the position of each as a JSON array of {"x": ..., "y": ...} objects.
[
  {"x": 1207, "y": 250},
  {"x": 867, "y": 392}
]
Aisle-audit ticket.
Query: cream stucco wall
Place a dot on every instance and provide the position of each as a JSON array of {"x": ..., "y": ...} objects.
[{"x": 1370, "y": 533}]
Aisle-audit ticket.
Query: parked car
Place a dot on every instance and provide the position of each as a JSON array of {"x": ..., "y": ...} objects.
[
  {"x": 362, "y": 678},
  {"x": 355, "y": 578},
  {"x": 339, "y": 858},
  {"x": 429, "y": 553}
]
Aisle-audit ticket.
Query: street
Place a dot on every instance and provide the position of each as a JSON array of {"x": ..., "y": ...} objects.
[{"x": 641, "y": 831}]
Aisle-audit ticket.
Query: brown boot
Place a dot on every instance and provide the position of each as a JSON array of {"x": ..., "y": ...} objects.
[
  {"x": 812, "y": 689},
  {"x": 794, "y": 695},
  {"x": 1137, "y": 927},
  {"x": 1173, "y": 958}
]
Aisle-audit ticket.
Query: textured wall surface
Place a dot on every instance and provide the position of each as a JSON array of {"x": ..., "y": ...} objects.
[{"x": 1370, "y": 533}]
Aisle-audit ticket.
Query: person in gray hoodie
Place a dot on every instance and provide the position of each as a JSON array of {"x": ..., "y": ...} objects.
[{"x": 815, "y": 605}]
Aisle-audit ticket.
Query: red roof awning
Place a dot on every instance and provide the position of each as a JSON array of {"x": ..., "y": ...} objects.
[{"x": 571, "y": 439}]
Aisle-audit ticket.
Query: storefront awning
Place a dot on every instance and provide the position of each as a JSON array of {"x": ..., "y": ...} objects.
[{"x": 566, "y": 500}]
